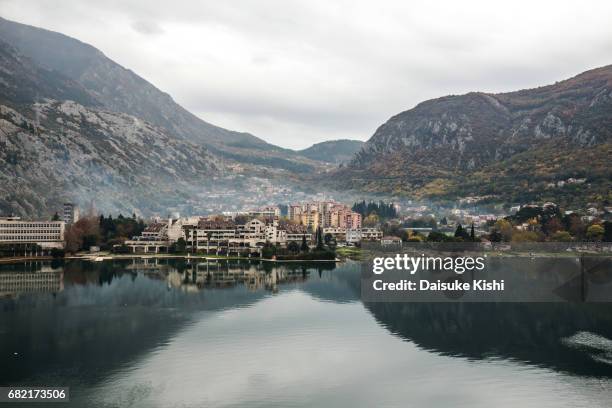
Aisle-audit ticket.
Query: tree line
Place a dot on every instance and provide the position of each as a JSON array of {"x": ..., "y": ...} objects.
[
  {"x": 101, "y": 231},
  {"x": 383, "y": 210}
]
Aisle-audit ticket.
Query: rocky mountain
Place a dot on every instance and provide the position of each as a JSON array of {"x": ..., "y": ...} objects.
[
  {"x": 506, "y": 147},
  {"x": 50, "y": 144},
  {"x": 120, "y": 90},
  {"x": 333, "y": 151},
  {"x": 74, "y": 125}
]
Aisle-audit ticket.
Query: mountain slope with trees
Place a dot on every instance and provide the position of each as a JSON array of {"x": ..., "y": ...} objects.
[
  {"x": 509, "y": 147},
  {"x": 333, "y": 151}
]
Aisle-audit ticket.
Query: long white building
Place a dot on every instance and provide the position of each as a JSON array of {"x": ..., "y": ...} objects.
[{"x": 46, "y": 234}]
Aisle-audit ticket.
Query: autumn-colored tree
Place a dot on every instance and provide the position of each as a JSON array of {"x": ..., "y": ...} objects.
[
  {"x": 504, "y": 228},
  {"x": 574, "y": 225},
  {"x": 561, "y": 236},
  {"x": 533, "y": 224},
  {"x": 82, "y": 234},
  {"x": 595, "y": 232},
  {"x": 525, "y": 236},
  {"x": 553, "y": 225},
  {"x": 371, "y": 220}
]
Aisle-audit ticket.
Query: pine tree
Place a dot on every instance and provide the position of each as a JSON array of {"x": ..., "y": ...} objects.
[
  {"x": 319, "y": 239},
  {"x": 304, "y": 246}
]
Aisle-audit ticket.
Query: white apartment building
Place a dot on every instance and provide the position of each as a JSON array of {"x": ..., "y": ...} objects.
[
  {"x": 46, "y": 234},
  {"x": 215, "y": 234},
  {"x": 254, "y": 234},
  {"x": 70, "y": 213},
  {"x": 158, "y": 236}
]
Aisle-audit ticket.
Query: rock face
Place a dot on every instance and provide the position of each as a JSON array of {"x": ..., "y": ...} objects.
[
  {"x": 333, "y": 151},
  {"x": 442, "y": 145},
  {"x": 114, "y": 86},
  {"x": 77, "y": 126},
  {"x": 50, "y": 146}
]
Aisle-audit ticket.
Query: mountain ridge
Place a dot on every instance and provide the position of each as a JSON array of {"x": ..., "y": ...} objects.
[
  {"x": 121, "y": 90},
  {"x": 441, "y": 146},
  {"x": 333, "y": 151},
  {"x": 54, "y": 149}
]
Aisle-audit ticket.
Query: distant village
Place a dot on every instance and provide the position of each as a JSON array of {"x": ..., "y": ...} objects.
[{"x": 297, "y": 228}]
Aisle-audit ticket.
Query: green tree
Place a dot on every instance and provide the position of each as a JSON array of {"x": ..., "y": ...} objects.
[
  {"x": 460, "y": 232},
  {"x": 269, "y": 250},
  {"x": 293, "y": 247},
  {"x": 436, "y": 236},
  {"x": 320, "y": 246},
  {"x": 55, "y": 217},
  {"x": 608, "y": 231},
  {"x": 332, "y": 244},
  {"x": 304, "y": 247},
  {"x": 181, "y": 245}
]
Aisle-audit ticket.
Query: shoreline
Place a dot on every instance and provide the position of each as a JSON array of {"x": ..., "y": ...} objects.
[{"x": 110, "y": 257}]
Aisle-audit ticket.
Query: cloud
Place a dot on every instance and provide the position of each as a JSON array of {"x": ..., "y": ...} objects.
[
  {"x": 147, "y": 27},
  {"x": 295, "y": 72}
]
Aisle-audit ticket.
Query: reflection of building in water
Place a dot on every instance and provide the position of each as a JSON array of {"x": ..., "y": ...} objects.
[
  {"x": 148, "y": 265},
  {"x": 218, "y": 275},
  {"x": 45, "y": 280}
]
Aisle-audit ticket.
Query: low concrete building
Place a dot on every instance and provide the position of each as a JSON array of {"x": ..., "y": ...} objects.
[
  {"x": 338, "y": 233},
  {"x": 390, "y": 241},
  {"x": 356, "y": 235},
  {"x": 371, "y": 234}
]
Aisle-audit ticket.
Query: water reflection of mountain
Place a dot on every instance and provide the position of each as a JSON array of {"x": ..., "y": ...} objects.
[
  {"x": 535, "y": 333},
  {"x": 111, "y": 313},
  {"x": 570, "y": 337}
]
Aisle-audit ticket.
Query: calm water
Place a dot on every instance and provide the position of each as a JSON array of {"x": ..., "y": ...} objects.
[{"x": 224, "y": 335}]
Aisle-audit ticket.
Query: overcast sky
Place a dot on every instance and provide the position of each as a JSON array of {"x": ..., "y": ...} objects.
[{"x": 296, "y": 73}]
